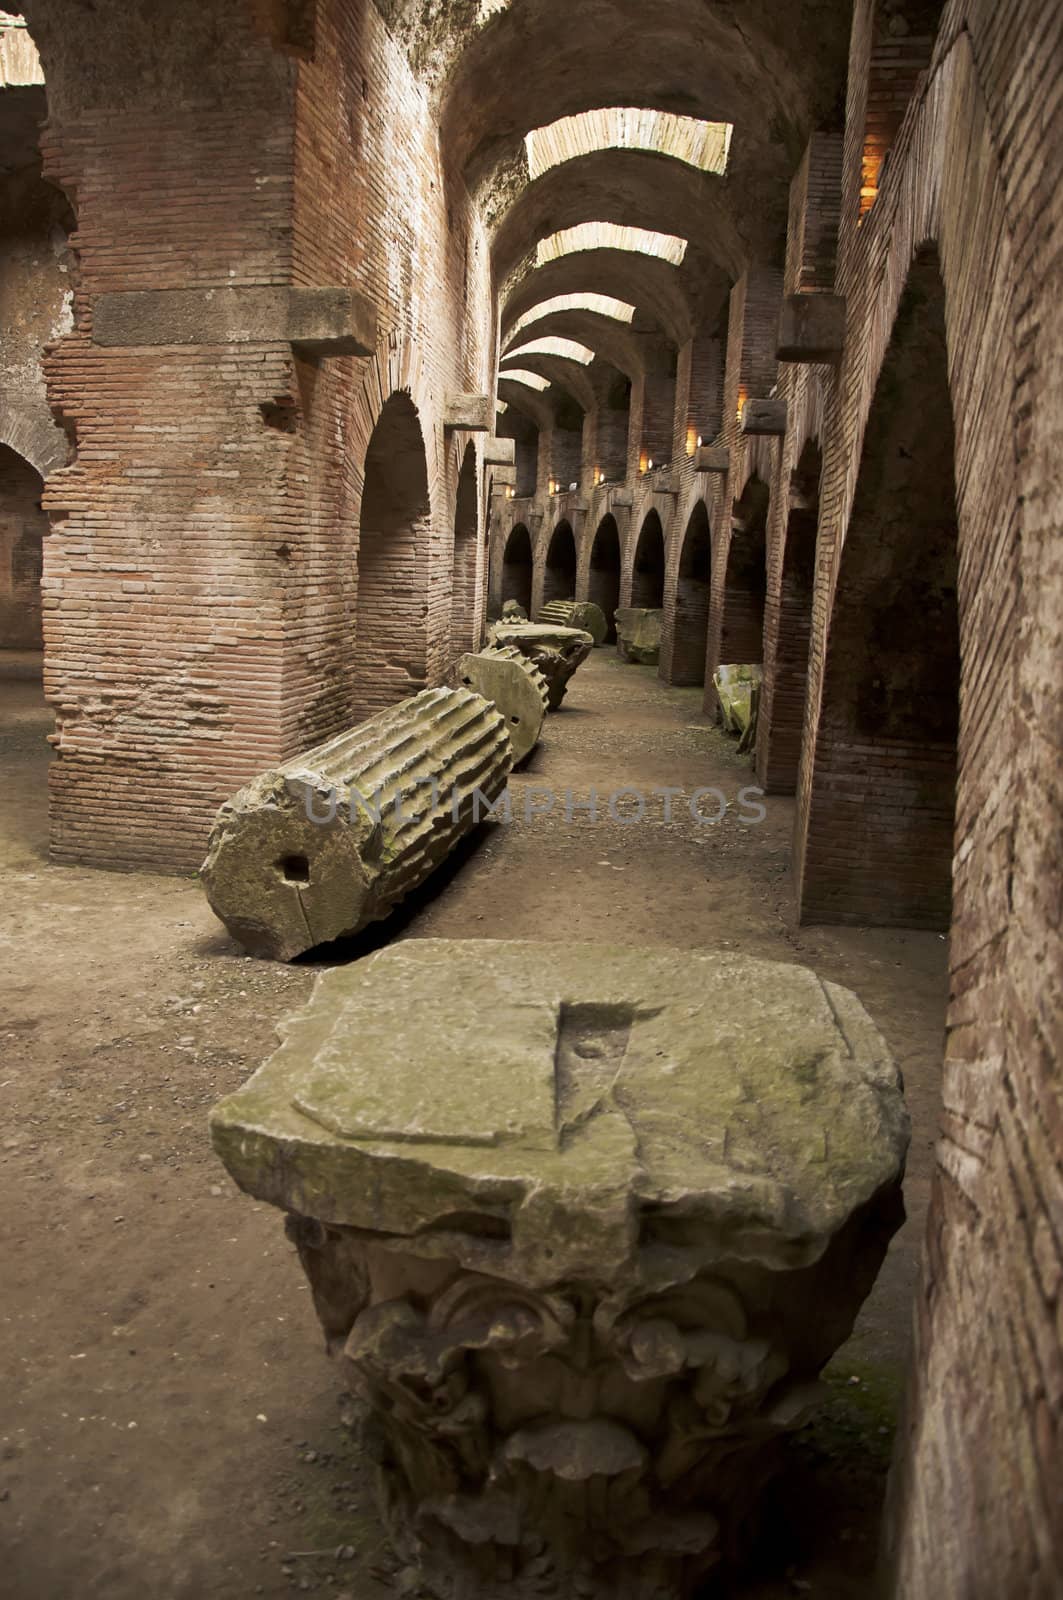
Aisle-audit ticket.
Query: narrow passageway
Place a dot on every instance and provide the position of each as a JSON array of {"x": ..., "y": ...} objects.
[{"x": 173, "y": 1411}]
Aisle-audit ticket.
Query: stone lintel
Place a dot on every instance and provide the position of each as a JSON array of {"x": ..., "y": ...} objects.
[
  {"x": 811, "y": 328},
  {"x": 500, "y": 452},
  {"x": 316, "y": 321},
  {"x": 712, "y": 458},
  {"x": 504, "y": 475},
  {"x": 469, "y": 413},
  {"x": 621, "y": 497},
  {"x": 764, "y": 417}
]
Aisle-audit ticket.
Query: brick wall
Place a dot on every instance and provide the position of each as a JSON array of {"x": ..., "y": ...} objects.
[{"x": 200, "y": 587}]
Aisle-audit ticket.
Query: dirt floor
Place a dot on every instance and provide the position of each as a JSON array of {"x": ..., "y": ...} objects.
[{"x": 169, "y": 1426}]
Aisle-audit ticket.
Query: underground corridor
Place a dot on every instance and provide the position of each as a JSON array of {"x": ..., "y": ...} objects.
[
  {"x": 163, "y": 1013},
  {"x": 531, "y": 617}
]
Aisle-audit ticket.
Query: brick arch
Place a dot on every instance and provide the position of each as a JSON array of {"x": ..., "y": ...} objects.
[
  {"x": 647, "y": 562},
  {"x": 878, "y": 845},
  {"x": 744, "y": 558},
  {"x": 788, "y": 620},
  {"x": 37, "y": 439},
  {"x": 559, "y": 561},
  {"x": 517, "y": 567},
  {"x": 687, "y": 606},
  {"x": 465, "y": 567},
  {"x": 604, "y": 570},
  {"x": 23, "y": 526},
  {"x": 394, "y": 543}
]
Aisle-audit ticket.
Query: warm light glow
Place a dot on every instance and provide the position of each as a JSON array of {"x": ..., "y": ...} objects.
[
  {"x": 600, "y": 305},
  {"x": 704, "y": 145},
  {"x": 531, "y": 380},
  {"x": 700, "y": 441},
  {"x": 567, "y": 349},
  {"x": 692, "y": 441},
  {"x": 611, "y": 236},
  {"x": 743, "y": 396}
]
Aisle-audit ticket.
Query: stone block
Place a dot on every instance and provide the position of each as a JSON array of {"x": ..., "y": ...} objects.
[
  {"x": 556, "y": 651},
  {"x": 320, "y": 847},
  {"x": 582, "y": 1226},
  {"x": 764, "y": 417},
  {"x": 500, "y": 452},
  {"x": 638, "y": 634},
  {"x": 811, "y": 328},
  {"x": 712, "y": 458},
  {"x": 737, "y": 690},
  {"x": 469, "y": 413},
  {"x": 513, "y": 683},
  {"x": 317, "y": 321}
]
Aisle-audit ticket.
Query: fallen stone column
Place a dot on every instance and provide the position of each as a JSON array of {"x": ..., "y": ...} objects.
[
  {"x": 513, "y": 683},
  {"x": 576, "y": 614},
  {"x": 638, "y": 635},
  {"x": 333, "y": 840},
  {"x": 557, "y": 652},
  {"x": 582, "y": 1227}
]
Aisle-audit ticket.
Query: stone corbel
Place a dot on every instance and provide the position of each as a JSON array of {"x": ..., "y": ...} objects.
[
  {"x": 711, "y": 458},
  {"x": 763, "y": 417},
  {"x": 811, "y": 328},
  {"x": 316, "y": 322},
  {"x": 500, "y": 452},
  {"x": 469, "y": 413}
]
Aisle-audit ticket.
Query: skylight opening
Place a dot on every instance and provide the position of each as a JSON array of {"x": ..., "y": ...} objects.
[
  {"x": 602, "y": 305},
  {"x": 19, "y": 62},
  {"x": 569, "y": 349},
  {"x": 611, "y": 236},
  {"x": 531, "y": 380},
  {"x": 705, "y": 145}
]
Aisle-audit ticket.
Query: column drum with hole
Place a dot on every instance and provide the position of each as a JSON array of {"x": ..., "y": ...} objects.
[{"x": 333, "y": 840}]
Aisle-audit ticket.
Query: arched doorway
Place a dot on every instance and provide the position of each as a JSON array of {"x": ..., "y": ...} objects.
[
  {"x": 517, "y": 568},
  {"x": 23, "y": 526},
  {"x": 647, "y": 579},
  {"x": 464, "y": 609},
  {"x": 559, "y": 578},
  {"x": 603, "y": 585},
  {"x": 746, "y": 580},
  {"x": 390, "y": 633},
  {"x": 794, "y": 631},
  {"x": 691, "y": 624},
  {"x": 879, "y": 838}
]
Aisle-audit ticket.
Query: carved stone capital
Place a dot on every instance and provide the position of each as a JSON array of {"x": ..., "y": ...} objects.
[{"x": 583, "y": 1264}]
